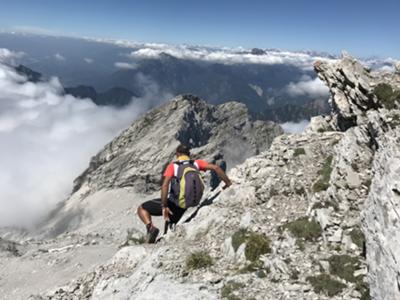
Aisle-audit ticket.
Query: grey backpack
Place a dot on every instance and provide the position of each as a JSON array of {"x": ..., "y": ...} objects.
[{"x": 187, "y": 186}]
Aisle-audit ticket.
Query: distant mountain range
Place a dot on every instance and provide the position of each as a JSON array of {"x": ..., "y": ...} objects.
[
  {"x": 115, "y": 96},
  {"x": 112, "y": 72}
]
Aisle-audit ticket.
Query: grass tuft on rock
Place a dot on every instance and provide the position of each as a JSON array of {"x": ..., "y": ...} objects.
[
  {"x": 303, "y": 228},
  {"x": 300, "y": 243},
  {"x": 322, "y": 183},
  {"x": 238, "y": 238},
  {"x": 326, "y": 284},
  {"x": 363, "y": 288},
  {"x": 344, "y": 266},
  {"x": 198, "y": 260},
  {"x": 358, "y": 238},
  {"x": 294, "y": 274},
  {"x": 133, "y": 240},
  {"x": 255, "y": 266},
  {"x": 256, "y": 244},
  {"x": 299, "y": 151},
  {"x": 388, "y": 97},
  {"x": 326, "y": 204},
  {"x": 229, "y": 288}
]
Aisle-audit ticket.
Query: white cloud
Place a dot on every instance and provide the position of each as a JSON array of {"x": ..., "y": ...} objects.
[
  {"x": 88, "y": 60},
  {"x": 387, "y": 69},
  {"x": 292, "y": 127},
  {"x": 384, "y": 65},
  {"x": 47, "y": 139},
  {"x": 34, "y": 30},
  {"x": 259, "y": 91},
  {"x": 59, "y": 57},
  {"x": 125, "y": 65},
  {"x": 308, "y": 86},
  {"x": 7, "y": 55},
  {"x": 223, "y": 55}
]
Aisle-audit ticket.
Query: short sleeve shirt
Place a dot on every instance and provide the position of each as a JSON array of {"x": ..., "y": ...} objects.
[{"x": 169, "y": 171}]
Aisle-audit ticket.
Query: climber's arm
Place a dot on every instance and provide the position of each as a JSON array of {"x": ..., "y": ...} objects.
[{"x": 221, "y": 174}]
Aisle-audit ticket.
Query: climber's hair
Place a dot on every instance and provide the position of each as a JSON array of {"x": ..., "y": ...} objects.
[{"x": 183, "y": 149}]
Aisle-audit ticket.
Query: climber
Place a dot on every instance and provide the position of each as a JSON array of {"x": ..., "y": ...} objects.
[
  {"x": 185, "y": 191},
  {"x": 218, "y": 160}
]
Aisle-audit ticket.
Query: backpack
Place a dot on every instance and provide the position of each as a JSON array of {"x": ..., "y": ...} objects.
[{"x": 187, "y": 186}]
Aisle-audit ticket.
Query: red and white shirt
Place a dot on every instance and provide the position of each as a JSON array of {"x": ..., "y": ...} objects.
[{"x": 170, "y": 170}]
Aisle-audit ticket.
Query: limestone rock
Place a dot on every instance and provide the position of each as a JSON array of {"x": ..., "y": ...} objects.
[
  {"x": 352, "y": 90},
  {"x": 319, "y": 124},
  {"x": 137, "y": 156},
  {"x": 299, "y": 211}
]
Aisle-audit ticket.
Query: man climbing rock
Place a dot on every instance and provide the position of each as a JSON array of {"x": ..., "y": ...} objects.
[
  {"x": 185, "y": 186},
  {"x": 215, "y": 180}
]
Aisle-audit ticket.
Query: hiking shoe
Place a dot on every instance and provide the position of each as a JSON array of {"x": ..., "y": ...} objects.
[{"x": 152, "y": 234}]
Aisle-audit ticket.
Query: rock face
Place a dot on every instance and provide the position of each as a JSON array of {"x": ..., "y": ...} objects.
[
  {"x": 315, "y": 216},
  {"x": 371, "y": 102},
  {"x": 381, "y": 219},
  {"x": 352, "y": 88},
  {"x": 136, "y": 157}
]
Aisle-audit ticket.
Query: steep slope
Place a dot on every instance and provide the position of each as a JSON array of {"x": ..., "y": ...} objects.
[
  {"x": 135, "y": 159},
  {"x": 314, "y": 217},
  {"x": 88, "y": 228},
  {"x": 137, "y": 156}
]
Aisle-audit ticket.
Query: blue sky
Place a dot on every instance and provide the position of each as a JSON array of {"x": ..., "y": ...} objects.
[{"x": 364, "y": 28}]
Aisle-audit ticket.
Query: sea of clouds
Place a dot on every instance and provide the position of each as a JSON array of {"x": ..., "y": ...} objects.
[
  {"x": 47, "y": 139},
  {"x": 217, "y": 55}
]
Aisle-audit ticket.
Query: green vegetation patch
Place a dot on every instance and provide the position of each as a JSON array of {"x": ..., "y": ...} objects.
[
  {"x": 368, "y": 183},
  {"x": 229, "y": 288},
  {"x": 198, "y": 260},
  {"x": 238, "y": 238},
  {"x": 256, "y": 244},
  {"x": 133, "y": 240},
  {"x": 326, "y": 204},
  {"x": 257, "y": 267},
  {"x": 322, "y": 183},
  {"x": 139, "y": 240},
  {"x": 387, "y": 95},
  {"x": 299, "y": 151},
  {"x": 294, "y": 274},
  {"x": 395, "y": 121},
  {"x": 300, "y": 243},
  {"x": 357, "y": 236},
  {"x": 320, "y": 186},
  {"x": 303, "y": 228},
  {"x": 326, "y": 284},
  {"x": 363, "y": 288},
  {"x": 344, "y": 266}
]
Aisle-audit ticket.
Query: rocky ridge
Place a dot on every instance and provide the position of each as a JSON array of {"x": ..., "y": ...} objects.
[
  {"x": 316, "y": 216},
  {"x": 91, "y": 225},
  {"x": 136, "y": 157},
  {"x": 370, "y": 103}
]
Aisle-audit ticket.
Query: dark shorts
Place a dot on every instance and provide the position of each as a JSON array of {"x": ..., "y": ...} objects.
[{"x": 154, "y": 208}]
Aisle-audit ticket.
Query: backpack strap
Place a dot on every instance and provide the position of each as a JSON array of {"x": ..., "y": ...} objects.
[
  {"x": 176, "y": 167},
  {"x": 183, "y": 162}
]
